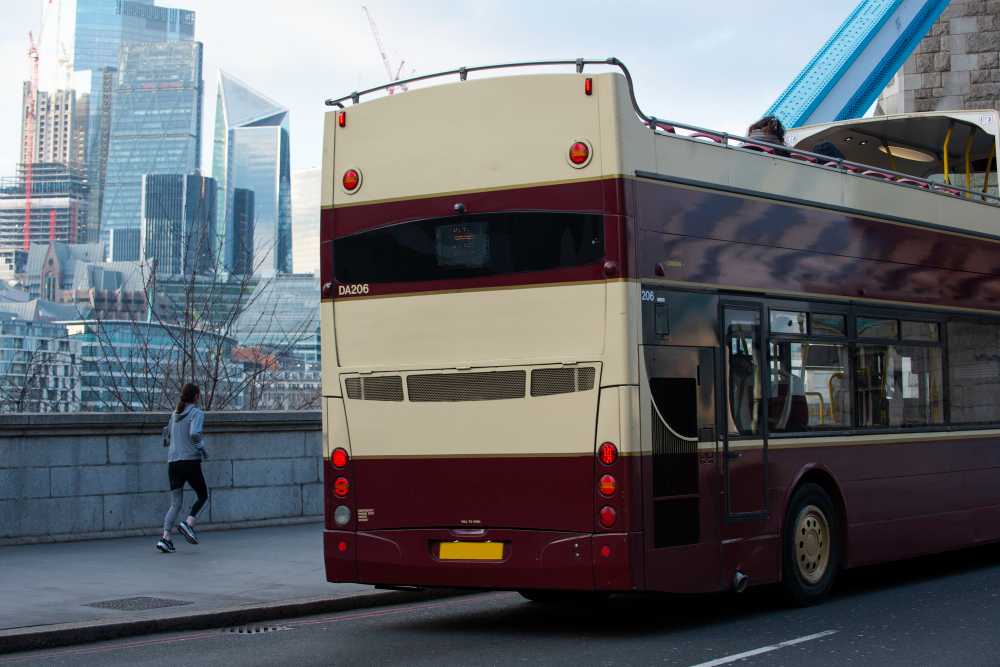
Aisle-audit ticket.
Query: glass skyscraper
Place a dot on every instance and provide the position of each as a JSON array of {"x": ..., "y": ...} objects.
[
  {"x": 155, "y": 126},
  {"x": 103, "y": 26},
  {"x": 178, "y": 223},
  {"x": 306, "y": 195},
  {"x": 251, "y": 151}
]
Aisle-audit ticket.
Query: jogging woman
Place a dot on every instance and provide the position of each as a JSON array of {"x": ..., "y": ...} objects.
[{"x": 183, "y": 436}]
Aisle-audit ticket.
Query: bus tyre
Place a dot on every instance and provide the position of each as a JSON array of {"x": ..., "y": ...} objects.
[{"x": 812, "y": 545}]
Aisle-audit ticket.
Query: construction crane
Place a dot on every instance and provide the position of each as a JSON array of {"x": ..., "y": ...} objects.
[
  {"x": 30, "y": 120},
  {"x": 385, "y": 57},
  {"x": 845, "y": 77}
]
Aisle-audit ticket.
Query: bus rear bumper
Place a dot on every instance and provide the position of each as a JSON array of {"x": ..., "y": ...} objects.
[{"x": 531, "y": 559}]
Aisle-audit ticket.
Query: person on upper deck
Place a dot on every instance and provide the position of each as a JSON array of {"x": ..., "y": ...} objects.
[{"x": 768, "y": 130}]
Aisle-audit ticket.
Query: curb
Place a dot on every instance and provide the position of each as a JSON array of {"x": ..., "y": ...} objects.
[{"x": 67, "y": 634}]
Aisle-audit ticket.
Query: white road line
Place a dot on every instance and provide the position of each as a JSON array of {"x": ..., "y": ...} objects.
[{"x": 764, "y": 649}]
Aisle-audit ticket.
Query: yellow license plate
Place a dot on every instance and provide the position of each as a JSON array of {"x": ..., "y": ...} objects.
[{"x": 470, "y": 551}]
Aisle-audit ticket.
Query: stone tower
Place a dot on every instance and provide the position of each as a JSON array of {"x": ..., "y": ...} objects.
[{"x": 954, "y": 67}]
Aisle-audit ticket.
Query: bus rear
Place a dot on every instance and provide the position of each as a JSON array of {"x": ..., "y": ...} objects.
[{"x": 477, "y": 385}]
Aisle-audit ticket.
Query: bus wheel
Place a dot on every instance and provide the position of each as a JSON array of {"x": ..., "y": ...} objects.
[
  {"x": 812, "y": 545},
  {"x": 564, "y": 597}
]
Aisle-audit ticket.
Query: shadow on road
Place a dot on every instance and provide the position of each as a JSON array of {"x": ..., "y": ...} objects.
[{"x": 633, "y": 615}]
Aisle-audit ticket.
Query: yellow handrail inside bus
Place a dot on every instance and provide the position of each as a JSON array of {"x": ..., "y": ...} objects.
[
  {"x": 968, "y": 164},
  {"x": 947, "y": 140},
  {"x": 989, "y": 166}
]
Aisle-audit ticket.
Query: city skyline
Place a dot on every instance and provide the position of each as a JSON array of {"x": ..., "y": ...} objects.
[{"x": 685, "y": 69}]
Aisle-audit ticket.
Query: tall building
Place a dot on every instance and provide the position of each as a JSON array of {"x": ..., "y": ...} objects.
[
  {"x": 155, "y": 127},
  {"x": 60, "y": 133},
  {"x": 59, "y": 206},
  {"x": 39, "y": 363},
  {"x": 306, "y": 197},
  {"x": 101, "y": 86},
  {"x": 178, "y": 223},
  {"x": 240, "y": 242},
  {"x": 251, "y": 151},
  {"x": 103, "y": 26}
]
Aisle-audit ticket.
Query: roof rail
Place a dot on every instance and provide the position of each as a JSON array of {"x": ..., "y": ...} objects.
[{"x": 463, "y": 74}]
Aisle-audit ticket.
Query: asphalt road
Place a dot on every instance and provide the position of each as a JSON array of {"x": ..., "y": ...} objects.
[{"x": 935, "y": 611}]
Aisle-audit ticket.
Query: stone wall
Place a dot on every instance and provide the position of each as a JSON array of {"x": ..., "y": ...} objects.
[
  {"x": 65, "y": 477},
  {"x": 955, "y": 66}
]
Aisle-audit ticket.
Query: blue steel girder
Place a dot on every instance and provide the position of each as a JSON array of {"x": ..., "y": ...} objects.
[{"x": 847, "y": 74}]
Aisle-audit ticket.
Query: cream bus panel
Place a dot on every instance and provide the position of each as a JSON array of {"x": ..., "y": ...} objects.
[
  {"x": 472, "y": 328},
  {"x": 477, "y": 135},
  {"x": 562, "y": 424}
]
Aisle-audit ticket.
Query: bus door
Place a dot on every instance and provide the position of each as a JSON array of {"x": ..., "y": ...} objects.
[
  {"x": 744, "y": 432},
  {"x": 677, "y": 421}
]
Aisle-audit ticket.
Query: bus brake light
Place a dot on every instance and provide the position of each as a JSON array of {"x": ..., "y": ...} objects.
[
  {"x": 339, "y": 458},
  {"x": 341, "y": 487},
  {"x": 608, "y": 516},
  {"x": 607, "y": 453}
]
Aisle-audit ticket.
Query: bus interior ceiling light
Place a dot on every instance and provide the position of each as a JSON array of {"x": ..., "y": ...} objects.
[{"x": 911, "y": 154}]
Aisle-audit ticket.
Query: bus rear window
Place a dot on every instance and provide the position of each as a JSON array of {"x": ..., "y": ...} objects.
[{"x": 469, "y": 246}]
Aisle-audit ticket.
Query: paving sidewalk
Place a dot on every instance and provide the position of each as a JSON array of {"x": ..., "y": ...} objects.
[{"x": 47, "y": 586}]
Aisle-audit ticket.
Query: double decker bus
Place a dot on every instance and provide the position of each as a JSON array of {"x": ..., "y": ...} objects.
[{"x": 570, "y": 347}]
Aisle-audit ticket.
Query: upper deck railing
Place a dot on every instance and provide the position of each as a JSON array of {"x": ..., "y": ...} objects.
[{"x": 661, "y": 127}]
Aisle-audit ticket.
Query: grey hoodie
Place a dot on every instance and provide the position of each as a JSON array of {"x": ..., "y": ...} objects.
[{"x": 183, "y": 435}]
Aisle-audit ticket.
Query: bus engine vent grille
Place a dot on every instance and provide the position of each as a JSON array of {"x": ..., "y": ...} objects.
[
  {"x": 551, "y": 381},
  {"x": 455, "y": 387},
  {"x": 381, "y": 388}
]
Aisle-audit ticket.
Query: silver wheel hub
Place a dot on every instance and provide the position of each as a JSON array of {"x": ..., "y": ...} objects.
[{"x": 812, "y": 543}]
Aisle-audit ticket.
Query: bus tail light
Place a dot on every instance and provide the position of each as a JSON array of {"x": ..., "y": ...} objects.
[
  {"x": 588, "y": 87},
  {"x": 342, "y": 119},
  {"x": 607, "y": 486},
  {"x": 341, "y": 487},
  {"x": 339, "y": 458},
  {"x": 608, "y": 516},
  {"x": 607, "y": 453},
  {"x": 351, "y": 181},
  {"x": 579, "y": 154}
]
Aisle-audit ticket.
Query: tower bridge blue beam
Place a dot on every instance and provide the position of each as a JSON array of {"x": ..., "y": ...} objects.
[{"x": 847, "y": 74}]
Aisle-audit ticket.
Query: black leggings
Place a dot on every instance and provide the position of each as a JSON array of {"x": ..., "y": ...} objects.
[{"x": 189, "y": 472}]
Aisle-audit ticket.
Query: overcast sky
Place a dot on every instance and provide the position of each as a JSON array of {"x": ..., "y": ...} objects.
[{"x": 717, "y": 65}]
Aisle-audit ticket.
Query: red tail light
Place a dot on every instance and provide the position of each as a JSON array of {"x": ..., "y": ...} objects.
[
  {"x": 342, "y": 546},
  {"x": 342, "y": 119},
  {"x": 607, "y": 486},
  {"x": 606, "y": 551},
  {"x": 352, "y": 180},
  {"x": 608, "y": 516},
  {"x": 588, "y": 86},
  {"x": 579, "y": 154},
  {"x": 607, "y": 453},
  {"x": 339, "y": 458},
  {"x": 341, "y": 487}
]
